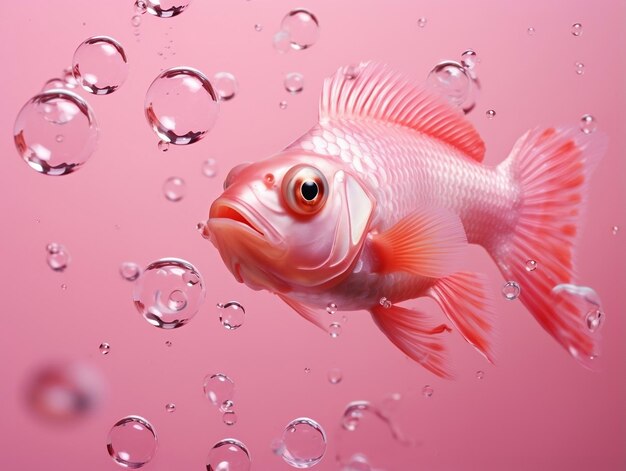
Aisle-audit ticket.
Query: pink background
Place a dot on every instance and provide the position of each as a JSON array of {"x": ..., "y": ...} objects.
[{"x": 536, "y": 409}]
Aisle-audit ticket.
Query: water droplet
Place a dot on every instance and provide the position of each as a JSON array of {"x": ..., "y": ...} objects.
[
  {"x": 490, "y": 114},
  {"x": 331, "y": 308},
  {"x": 511, "y": 290},
  {"x": 282, "y": 105},
  {"x": 469, "y": 59},
  {"x": 130, "y": 271},
  {"x": 580, "y": 68},
  {"x": 163, "y": 146},
  {"x": 105, "y": 348},
  {"x": 170, "y": 407},
  {"x": 58, "y": 256},
  {"x": 174, "y": 188},
  {"x": 452, "y": 81},
  {"x": 334, "y": 329},
  {"x": 384, "y": 302},
  {"x": 588, "y": 124},
  {"x": 303, "y": 443},
  {"x": 132, "y": 442},
  {"x": 480, "y": 374},
  {"x": 135, "y": 20},
  {"x": 531, "y": 265},
  {"x": 228, "y": 455},
  {"x": 531, "y": 31},
  {"x": 258, "y": 27},
  {"x": 427, "y": 391},
  {"x": 181, "y": 105},
  {"x": 175, "y": 7},
  {"x": 282, "y": 42},
  {"x": 168, "y": 343},
  {"x": 594, "y": 319},
  {"x": 335, "y": 376},
  {"x": 153, "y": 289},
  {"x": 225, "y": 85},
  {"x": 232, "y": 315},
  {"x": 220, "y": 390},
  {"x": 44, "y": 117},
  {"x": 614, "y": 230},
  {"x": 100, "y": 65},
  {"x": 294, "y": 83},
  {"x": 229, "y": 417},
  {"x": 209, "y": 168},
  {"x": 302, "y": 27},
  {"x": 577, "y": 29},
  {"x": 421, "y": 22},
  {"x": 140, "y": 7},
  {"x": 63, "y": 392}
]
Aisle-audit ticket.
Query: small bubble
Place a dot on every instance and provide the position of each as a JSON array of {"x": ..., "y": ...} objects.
[
  {"x": 229, "y": 417},
  {"x": 334, "y": 329},
  {"x": 177, "y": 300},
  {"x": 614, "y": 230},
  {"x": 531, "y": 31},
  {"x": 577, "y": 29},
  {"x": 59, "y": 138},
  {"x": 427, "y": 391},
  {"x": 294, "y": 83},
  {"x": 480, "y": 374},
  {"x": 302, "y": 27},
  {"x": 282, "y": 42},
  {"x": 135, "y": 20},
  {"x": 58, "y": 257},
  {"x": 140, "y": 7},
  {"x": 163, "y": 146},
  {"x": 384, "y": 302},
  {"x": 421, "y": 22},
  {"x": 351, "y": 72},
  {"x": 105, "y": 348},
  {"x": 171, "y": 8},
  {"x": 63, "y": 286},
  {"x": 228, "y": 455},
  {"x": 307, "y": 370},
  {"x": 580, "y": 68},
  {"x": 220, "y": 390},
  {"x": 331, "y": 308},
  {"x": 335, "y": 376},
  {"x": 531, "y": 265},
  {"x": 168, "y": 343},
  {"x": 130, "y": 271},
  {"x": 511, "y": 290},
  {"x": 231, "y": 315},
  {"x": 588, "y": 124},
  {"x": 132, "y": 442},
  {"x": 258, "y": 27},
  {"x": 594, "y": 319},
  {"x": 209, "y": 168},
  {"x": 226, "y": 85},
  {"x": 174, "y": 188},
  {"x": 170, "y": 407},
  {"x": 490, "y": 114},
  {"x": 304, "y": 443},
  {"x": 469, "y": 59},
  {"x": 282, "y": 105}
]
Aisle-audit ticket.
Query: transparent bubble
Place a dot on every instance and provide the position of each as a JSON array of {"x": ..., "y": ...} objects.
[
  {"x": 480, "y": 374},
  {"x": 353, "y": 414},
  {"x": 130, "y": 271},
  {"x": 302, "y": 27},
  {"x": 580, "y": 68},
  {"x": 132, "y": 442},
  {"x": 158, "y": 291},
  {"x": 174, "y": 188},
  {"x": 334, "y": 329},
  {"x": 168, "y": 343},
  {"x": 614, "y": 230},
  {"x": 490, "y": 114},
  {"x": 258, "y": 27},
  {"x": 577, "y": 29},
  {"x": 594, "y": 319},
  {"x": 303, "y": 443},
  {"x": 282, "y": 42},
  {"x": 232, "y": 315},
  {"x": 331, "y": 308},
  {"x": 428, "y": 391},
  {"x": 335, "y": 376},
  {"x": 225, "y": 85},
  {"x": 63, "y": 286},
  {"x": 511, "y": 290},
  {"x": 209, "y": 168},
  {"x": 294, "y": 83},
  {"x": 105, "y": 348},
  {"x": 69, "y": 79},
  {"x": 357, "y": 462},
  {"x": 352, "y": 71},
  {"x": 588, "y": 124},
  {"x": 135, "y": 20},
  {"x": 531, "y": 31},
  {"x": 282, "y": 105},
  {"x": 170, "y": 407},
  {"x": 421, "y": 22},
  {"x": 307, "y": 370},
  {"x": 181, "y": 106},
  {"x": 140, "y": 7},
  {"x": 52, "y": 84},
  {"x": 229, "y": 417},
  {"x": 58, "y": 256},
  {"x": 42, "y": 119},
  {"x": 384, "y": 302},
  {"x": 166, "y": 8},
  {"x": 469, "y": 59},
  {"x": 531, "y": 265},
  {"x": 228, "y": 455},
  {"x": 100, "y": 65},
  {"x": 451, "y": 80},
  {"x": 220, "y": 390},
  {"x": 63, "y": 392},
  {"x": 163, "y": 146}
]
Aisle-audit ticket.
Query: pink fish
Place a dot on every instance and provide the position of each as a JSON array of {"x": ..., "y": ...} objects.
[{"x": 379, "y": 199}]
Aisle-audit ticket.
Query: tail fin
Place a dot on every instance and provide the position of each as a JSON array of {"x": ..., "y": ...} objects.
[{"x": 551, "y": 167}]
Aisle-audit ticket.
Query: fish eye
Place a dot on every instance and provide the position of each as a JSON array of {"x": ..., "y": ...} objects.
[{"x": 305, "y": 189}]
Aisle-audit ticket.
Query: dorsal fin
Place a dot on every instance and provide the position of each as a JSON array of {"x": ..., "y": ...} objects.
[{"x": 374, "y": 91}]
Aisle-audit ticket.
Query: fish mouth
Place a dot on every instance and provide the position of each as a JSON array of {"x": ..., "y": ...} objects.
[{"x": 226, "y": 211}]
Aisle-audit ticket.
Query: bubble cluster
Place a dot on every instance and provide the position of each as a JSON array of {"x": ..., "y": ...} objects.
[
  {"x": 169, "y": 293},
  {"x": 220, "y": 390},
  {"x": 302, "y": 28},
  {"x": 225, "y": 85},
  {"x": 132, "y": 442},
  {"x": 232, "y": 315},
  {"x": 511, "y": 290},
  {"x": 100, "y": 65},
  {"x": 229, "y": 454},
  {"x": 303, "y": 443},
  {"x": 166, "y": 8},
  {"x": 58, "y": 256},
  {"x": 51, "y": 114}
]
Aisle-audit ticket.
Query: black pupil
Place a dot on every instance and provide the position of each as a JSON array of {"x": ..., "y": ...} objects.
[{"x": 309, "y": 190}]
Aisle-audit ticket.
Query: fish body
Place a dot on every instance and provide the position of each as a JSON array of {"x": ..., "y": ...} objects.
[{"x": 379, "y": 199}]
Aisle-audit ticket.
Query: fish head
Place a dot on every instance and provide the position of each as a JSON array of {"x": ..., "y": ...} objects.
[{"x": 294, "y": 222}]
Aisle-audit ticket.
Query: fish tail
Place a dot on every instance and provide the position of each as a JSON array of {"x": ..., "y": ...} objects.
[{"x": 551, "y": 168}]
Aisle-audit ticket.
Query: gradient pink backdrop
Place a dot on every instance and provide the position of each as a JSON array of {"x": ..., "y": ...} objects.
[{"x": 536, "y": 409}]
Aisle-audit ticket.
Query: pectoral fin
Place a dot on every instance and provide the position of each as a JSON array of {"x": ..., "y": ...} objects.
[{"x": 310, "y": 314}]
